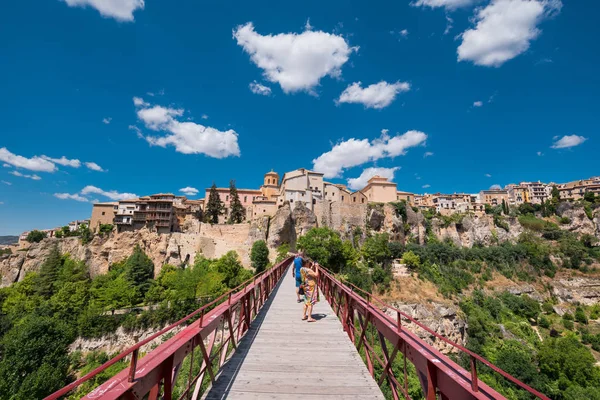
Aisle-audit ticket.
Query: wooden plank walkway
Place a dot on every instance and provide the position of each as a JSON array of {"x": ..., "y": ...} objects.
[{"x": 283, "y": 357}]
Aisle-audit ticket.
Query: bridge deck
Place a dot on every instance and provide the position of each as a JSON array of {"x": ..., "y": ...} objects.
[{"x": 283, "y": 357}]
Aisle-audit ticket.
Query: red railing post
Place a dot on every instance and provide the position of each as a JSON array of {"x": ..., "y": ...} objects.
[
  {"x": 133, "y": 365},
  {"x": 474, "y": 382}
]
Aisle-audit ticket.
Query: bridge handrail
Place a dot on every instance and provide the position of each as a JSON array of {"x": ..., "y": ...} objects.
[
  {"x": 135, "y": 348},
  {"x": 400, "y": 314}
]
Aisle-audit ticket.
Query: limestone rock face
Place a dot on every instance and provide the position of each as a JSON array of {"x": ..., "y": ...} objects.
[
  {"x": 376, "y": 218},
  {"x": 303, "y": 218},
  {"x": 580, "y": 223},
  {"x": 281, "y": 227},
  {"x": 477, "y": 229},
  {"x": 178, "y": 248},
  {"x": 441, "y": 319},
  {"x": 577, "y": 290}
]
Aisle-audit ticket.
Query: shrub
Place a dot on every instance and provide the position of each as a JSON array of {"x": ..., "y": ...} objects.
[
  {"x": 411, "y": 260},
  {"x": 568, "y": 324},
  {"x": 544, "y": 322},
  {"x": 565, "y": 220},
  {"x": 35, "y": 236},
  {"x": 501, "y": 223},
  {"x": 580, "y": 316},
  {"x": 282, "y": 252}
]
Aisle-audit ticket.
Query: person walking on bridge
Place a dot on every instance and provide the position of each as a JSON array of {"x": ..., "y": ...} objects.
[
  {"x": 298, "y": 262},
  {"x": 310, "y": 274}
]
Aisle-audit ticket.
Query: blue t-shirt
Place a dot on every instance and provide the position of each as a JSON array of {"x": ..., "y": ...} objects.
[{"x": 297, "y": 266}]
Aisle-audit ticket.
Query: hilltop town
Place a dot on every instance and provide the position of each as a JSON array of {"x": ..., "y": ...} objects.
[{"x": 167, "y": 212}]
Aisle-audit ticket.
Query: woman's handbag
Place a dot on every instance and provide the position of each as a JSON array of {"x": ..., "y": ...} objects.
[{"x": 301, "y": 290}]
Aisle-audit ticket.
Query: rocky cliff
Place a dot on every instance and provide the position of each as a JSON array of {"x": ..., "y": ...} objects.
[{"x": 175, "y": 248}]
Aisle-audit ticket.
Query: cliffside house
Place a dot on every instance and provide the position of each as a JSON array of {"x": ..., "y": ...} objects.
[
  {"x": 103, "y": 214},
  {"x": 494, "y": 197}
]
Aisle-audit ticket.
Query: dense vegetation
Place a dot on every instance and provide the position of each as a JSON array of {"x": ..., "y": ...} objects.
[
  {"x": 41, "y": 315},
  {"x": 555, "y": 359}
]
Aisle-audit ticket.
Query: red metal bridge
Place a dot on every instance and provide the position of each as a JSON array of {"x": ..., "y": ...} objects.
[{"x": 251, "y": 344}]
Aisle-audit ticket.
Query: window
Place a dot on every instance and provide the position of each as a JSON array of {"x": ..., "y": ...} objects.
[
  {"x": 227, "y": 198},
  {"x": 314, "y": 201},
  {"x": 245, "y": 199},
  {"x": 103, "y": 213},
  {"x": 354, "y": 199},
  {"x": 291, "y": 200},
  {"x": 342, "y": 198},
  {"x": 363, "y": 200}
]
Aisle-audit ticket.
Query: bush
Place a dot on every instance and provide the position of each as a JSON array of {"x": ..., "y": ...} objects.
[
  {"x": 282, "y": 252},
  {"x": 544, "y": 322},
  {"x": 580, "y": 316},
  {"x": 501, "y": 223},
  {"x": 411, "y": 260},
  {"x": 35, "y": 236},
  {"x": 568, "y": 324},
  {"x": 565, "y": 220},
  {"x": 535, "y": 224},
  {"x": 105, "y": 229}
]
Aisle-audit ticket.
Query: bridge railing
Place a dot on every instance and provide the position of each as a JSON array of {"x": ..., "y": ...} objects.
[
  {"x": 374, "y": 332},
  {"x": 184, "y": 365}
]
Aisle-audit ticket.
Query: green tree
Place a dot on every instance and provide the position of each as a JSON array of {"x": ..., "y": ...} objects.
[
  {"x": 259, "y": 256},
  {"x": 49, "y": 273},
  {"x": 214, "y": 207},
  {"x": 325, "y": 246},
  {"x": 376, "y": 251},
  {"x": 555, "y": 194},
  {"x": 589, "y": 196},
  {"x": 85, "y": 234},
  {"x": 35, "y": 236},
  {"x": 232, "y": 270},
  {"x": 139, "y": 271},
  {"x": 412, "y": 260},
  {"x": 282, "y": 252},
  {"x": 35, "y": 359},
  {"x": 237, "y": 212},
  {"x": 567, "y": 357}
]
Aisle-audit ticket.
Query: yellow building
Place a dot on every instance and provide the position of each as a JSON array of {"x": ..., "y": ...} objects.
[
  {"x": 380, "y": 190},
  {"x": 103, "y": 214},
  {"x": 493, "y": 197},
  {"x": 407, "y": 196},
  {"x": 270, "y": 187}
]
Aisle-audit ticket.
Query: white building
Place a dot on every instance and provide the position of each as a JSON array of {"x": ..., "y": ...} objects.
[{"x": 303, "y": 186}]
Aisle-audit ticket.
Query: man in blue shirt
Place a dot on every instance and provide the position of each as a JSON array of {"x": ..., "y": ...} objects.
[{"x": 298, "y": 261}]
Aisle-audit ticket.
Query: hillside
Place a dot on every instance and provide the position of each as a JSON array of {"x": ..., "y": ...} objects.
[{"x": 7, "y": 240}]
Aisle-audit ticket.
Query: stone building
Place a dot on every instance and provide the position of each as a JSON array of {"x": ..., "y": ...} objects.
[
  {"x": 301, "y": 185},
  {"x": 380, "y": 190},
  {"x": 103, "y": 214},
  {"x": 494, "y": 197}
]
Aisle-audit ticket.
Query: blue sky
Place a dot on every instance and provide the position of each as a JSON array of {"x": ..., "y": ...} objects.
[{"x": 438, "y": 93}]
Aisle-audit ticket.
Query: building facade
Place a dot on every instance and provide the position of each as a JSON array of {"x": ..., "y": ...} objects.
[{"x": 103, "y": 214}]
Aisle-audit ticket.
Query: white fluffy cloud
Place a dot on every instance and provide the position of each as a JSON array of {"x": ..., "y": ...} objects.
[
  {"x": 17, "y": 173},
  {"x": 68, "y": 196},
  {"x": 488, "y": 175},
  {"x": 427, "y": 154},
  {"x": 503, "y": 30},
  {"x": 33, "y": 164},
  {"x": 368, "y": 173},
  {"x": 448, "y": 4},
  {"x": 353, "y": 152},
  {"x": 94, "y": 167},
  {"x": 257, "y": 88},
  {"x": 187, "y": 137},
  {"x": 377, "y": 95},
  {"x": 111, "y": 194},
  {"x": 568, "y": 141},
  {"x": 121, "y": 10},
  {"x": 296, "y": 61},
  {"x": 6, "y": 183},
  {"x": 478, "y": 104},
  {"x": 106, "y": 120},
  {"x": 426, "y": 186},
  {"x": 64, "y": 161},
  {"x": 189, "y": 191}
]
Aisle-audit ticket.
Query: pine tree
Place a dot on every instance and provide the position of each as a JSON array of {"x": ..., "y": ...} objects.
[
  {"x": 504, "y": 207},
  {"x": 237, "y": 210},
  {"x": 259, "y": 256},
  {"x": 214, "y": 208},
  {"x": 140, "y": 270},
  {"x": 49, "y": 273}
]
